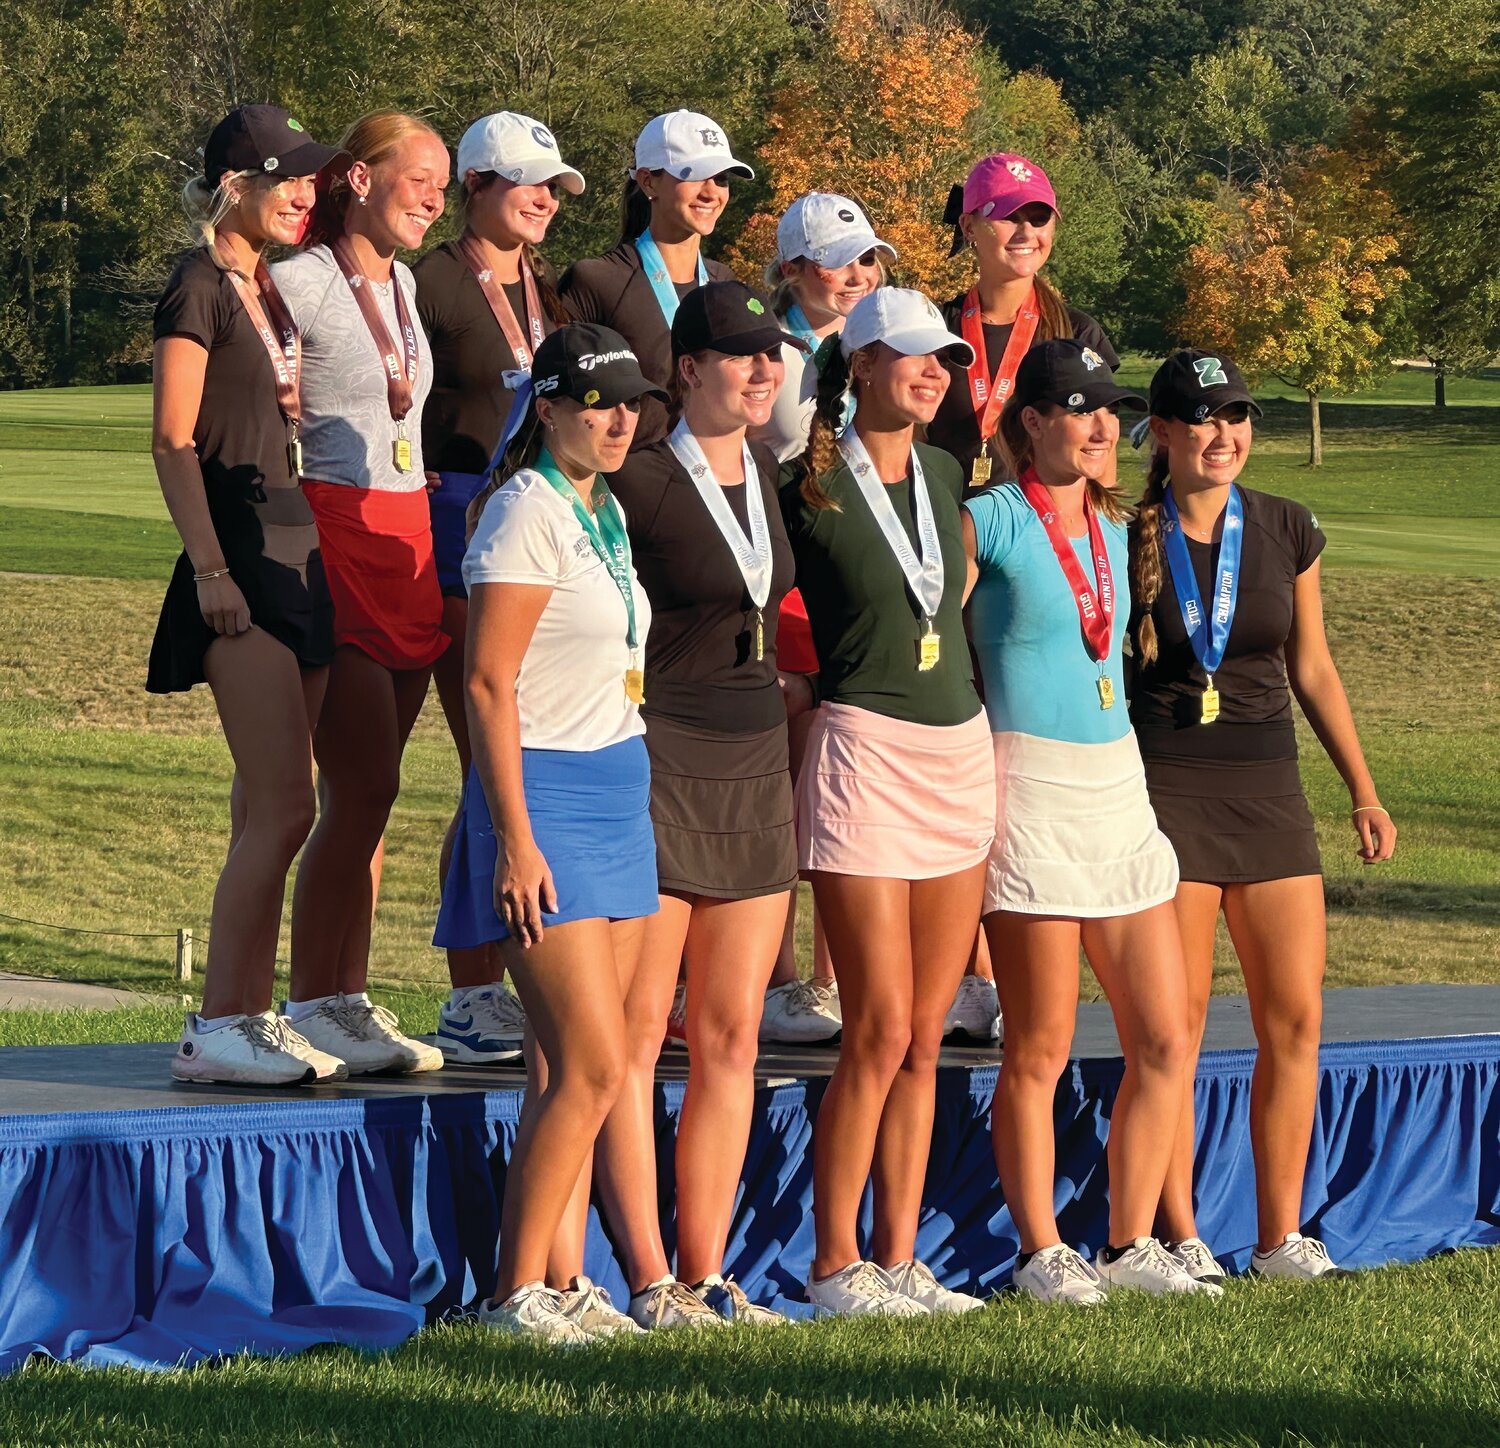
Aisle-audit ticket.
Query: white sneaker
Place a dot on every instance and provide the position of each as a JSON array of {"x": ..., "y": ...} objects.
[
  {"x": 1297, "y": 1259},
  {"x": 915, "y": 1280},
  {"x": 1197, "y": 1261},
  {"x": 1059, "y": 1274},
  {"x": 726, "y": 1297},
  {"x": 975, "y": 1009},
  {"x": 802, "y": 1013},
  {"x": 486, "y": 1030},
  {"x": 1148, "y": 1265},
  {"x": 365, "y": 1036},
  {"x": 677, "y": 1020},
  {"x": 862, "y": 1289},
  {"x": 591, "y": 1308},
  {"x": 535, "y": 1310},
  {"x": 251, "y": 1050},
  {"x": 670, "y": 1303}
]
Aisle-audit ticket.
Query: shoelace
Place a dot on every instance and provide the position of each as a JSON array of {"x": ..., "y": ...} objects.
[
  {"x": 1309, "y": 1252},
  {"x": 1197, "y": 1257},
  {"x": 498, "y": 1012},
  {"x": 869, "y": 1280},
  {"x": 922, "y": 1275},
  {"x": 1155, "y": 1258},
  {"x": 266, "y": 1034},
  {"x": 678, "y": 1295},
  {"x": 356, "y": 1017},
  {"x": 806, "y": 998},
  {"x": 1066, "y": 1266}
]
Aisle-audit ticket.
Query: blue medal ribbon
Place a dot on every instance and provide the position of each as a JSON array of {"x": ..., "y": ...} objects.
[
  {"x": 660, "y": 279},
  {"x": 798, "y": 325},
  {"x": 1207, "y": 632}
]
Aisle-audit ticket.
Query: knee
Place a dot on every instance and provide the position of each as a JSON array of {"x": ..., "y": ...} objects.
[
  {"x": 1293, "y": 1028},
  {"x": 925, "y": 1048},
  {"x": 724, "y": 1044},
  {"x": 283, "y": 819},
  {"x": 880, "y": 1045},
  {"x": 367, "y": 795},
  {"x": 1164, "y": 1049},
  {"x": 1035, "y": 1059},
  {"x": 593, "y": 1080}
]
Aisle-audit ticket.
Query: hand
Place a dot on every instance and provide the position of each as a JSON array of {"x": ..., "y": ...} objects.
[
  {"x": 223, "y": 606},
  {"x": 523, "y": 890},
  {"x": 1376, "y": 831},
  {"x": 434, "y": 482},
  {"x": 796, "y": 693}
]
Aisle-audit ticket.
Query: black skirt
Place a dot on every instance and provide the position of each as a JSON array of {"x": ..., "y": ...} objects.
[
  {"x": 721, "y": 808},
  {"x": 1234, "y": 823}
]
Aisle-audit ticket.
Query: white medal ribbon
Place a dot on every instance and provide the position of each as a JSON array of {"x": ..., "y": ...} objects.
[
  {"x": 925, "y": 576},
  {"x": 753, "y": 554}
]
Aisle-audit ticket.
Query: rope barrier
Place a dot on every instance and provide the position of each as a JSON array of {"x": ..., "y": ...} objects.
[{"x": 83, "y": 930}]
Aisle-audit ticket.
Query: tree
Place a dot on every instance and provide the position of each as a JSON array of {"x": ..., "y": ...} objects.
[{"x": 1301, "y": 282}]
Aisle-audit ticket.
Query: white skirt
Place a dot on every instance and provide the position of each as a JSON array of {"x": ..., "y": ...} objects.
[{"x": 1075, "y": 834}]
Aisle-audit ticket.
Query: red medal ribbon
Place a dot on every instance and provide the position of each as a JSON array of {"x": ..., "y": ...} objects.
[
  {"x": 279, "y": 334},
  {"x": 986, "y": 393},
  {"x": 399, "y": 378},
  {"x": 500, "y": 306},
  {"x": 1096, "y": 611}
]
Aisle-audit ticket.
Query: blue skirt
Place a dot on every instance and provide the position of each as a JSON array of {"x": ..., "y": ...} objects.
[
  {"x": 448, "y": 506},
  {"x": 591, "y": 816}
]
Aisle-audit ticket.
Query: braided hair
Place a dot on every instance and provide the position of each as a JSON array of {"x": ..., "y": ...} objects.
[
  {"x": 822, "y": 453},
  {"x": 1149, "y": 559}
]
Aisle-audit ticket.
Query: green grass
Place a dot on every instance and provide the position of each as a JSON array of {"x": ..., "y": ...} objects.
[{"x": 1403, "y": 1356}]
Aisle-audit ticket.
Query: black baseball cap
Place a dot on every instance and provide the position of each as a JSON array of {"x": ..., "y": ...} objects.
[
  {"x": 1192, "y": 385},
  {"x": 263, "y": 138},
  {"x": 592, "y": 365},
  {"x": 728, "y": 317},
  {"x": 1065, "y": 372}
]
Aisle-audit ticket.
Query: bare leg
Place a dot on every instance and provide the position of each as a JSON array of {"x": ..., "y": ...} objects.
[
  {"x": 944, "y": 917},
  {"x": 731, "y": 947},
  {"x": 1036, "y": 959},
  {"x": 1279, "y": 933},
  {"x": 1138, "y": 960},
  {"x": 565, "y": 1260}
]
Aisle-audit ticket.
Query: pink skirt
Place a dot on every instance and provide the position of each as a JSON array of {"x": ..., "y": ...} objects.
[{"x": 891, "y": 800}]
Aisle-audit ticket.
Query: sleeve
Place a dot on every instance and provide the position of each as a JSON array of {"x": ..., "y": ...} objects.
[
  {"x": 433, "y": 294},
  {"x": 994, "y": 518},
  {"x": 1091, "y": 334},
  {"x": 190, "y": 307},
  {"x": 516, "y": 541},
  {"x": 579, "y": 296},
  {"x": 1304, "y": 535}
]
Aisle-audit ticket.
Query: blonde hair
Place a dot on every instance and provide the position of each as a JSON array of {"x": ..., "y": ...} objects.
[
  {"x": 783, "y": 287},
  {"x": 373, "y": 138},
  {"x": 1017, "y": 451},
  {"x": 207, "y": 206}
]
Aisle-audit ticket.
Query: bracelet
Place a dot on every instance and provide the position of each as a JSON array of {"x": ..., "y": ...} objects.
[
  {"x": 1372, "y": 809},
  {"x": 212, "y": 573}
]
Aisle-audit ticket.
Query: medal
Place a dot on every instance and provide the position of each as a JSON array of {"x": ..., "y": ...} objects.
[
  {"x": 401, "y": 454},
  {"x": 635, "y": 686},
  {"x": 294, "y": 455},
  {"x": 760, "y": 636},
  {"x": 1208, "y": 635},
  {"x": 1106, "y": 692},
  {"x": 981, "y": 471},
  {"x": 928, "y": 648}
]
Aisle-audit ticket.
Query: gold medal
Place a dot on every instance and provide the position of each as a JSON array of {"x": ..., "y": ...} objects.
[
  {"x": 401, "y": 454},
  {"x": 635, "y": 686},
  {"x": 981, "y": 473},
  {"x": 294, "y": 455},
  {"x": 760, "y": 636},
  {"x": 1106, "y": 692},
  {"x": 929, "y": 647},
  {"x": 1210, "y": 703}
]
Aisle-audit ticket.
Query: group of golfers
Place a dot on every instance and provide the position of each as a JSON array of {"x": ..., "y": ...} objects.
[{"x": 723, "y": 588}]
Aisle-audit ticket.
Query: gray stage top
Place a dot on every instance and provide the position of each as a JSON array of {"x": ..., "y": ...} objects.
[{"x": 37, "y": 1079}]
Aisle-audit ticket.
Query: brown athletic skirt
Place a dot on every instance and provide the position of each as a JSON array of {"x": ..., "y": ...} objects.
[
  {"x": 1232, "y": 824},
  {"x": 721, "y": 806}
]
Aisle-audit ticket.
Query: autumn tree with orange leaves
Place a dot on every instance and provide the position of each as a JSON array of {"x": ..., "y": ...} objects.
[{"x": 1301, "y": 283}]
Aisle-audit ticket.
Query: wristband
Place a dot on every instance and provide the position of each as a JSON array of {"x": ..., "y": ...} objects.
[
  {"x": 1371, "y": 809},
  {"x": 212, "y": 573}
]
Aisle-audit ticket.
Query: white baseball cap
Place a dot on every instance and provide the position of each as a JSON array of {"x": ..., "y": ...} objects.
[
  {"x": 904, "y": 320},
  {"x": 828, "y": 229},
  {"x": 518, "y": 148},
  {"x": 687, "y": 146}
]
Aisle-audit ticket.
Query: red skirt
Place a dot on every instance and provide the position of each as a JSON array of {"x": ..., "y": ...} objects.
[
  {"x": 794, "y": 641},
  {"x": 382, "y": 576}
]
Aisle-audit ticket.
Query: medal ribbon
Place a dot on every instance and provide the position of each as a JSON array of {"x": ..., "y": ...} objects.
[
  {"x": 1209, "y": 635},
  {"x": 988, "y": 394},
  {"x": 400, "y": 372},
  {"x": 924, "y": 577},
  {"x": 797, "y": 324},
  {"x": 279, "y": 335},
  {"x": 660, "y": 279},
  {"x": 522, "y": 344},
  {"x": 1096, "y": 611},
  {"x": 753, "y": 554},
  {"x": 605, "y": 530}
]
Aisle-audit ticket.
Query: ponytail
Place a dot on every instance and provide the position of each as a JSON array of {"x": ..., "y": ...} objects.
[
  {"x": 207, "y": 206},
  {"x": 1147, "y": 566},
  {"x": 822, "y": 454},
  {"x": 635, "y": 210},
  {"x": 1054, "y": 320}
]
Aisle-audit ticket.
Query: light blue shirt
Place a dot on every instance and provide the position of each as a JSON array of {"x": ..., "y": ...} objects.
[{"x": 1038, "y": 676}]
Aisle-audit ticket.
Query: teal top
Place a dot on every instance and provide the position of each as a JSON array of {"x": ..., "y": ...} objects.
[{"x": 1038, "y": 676}]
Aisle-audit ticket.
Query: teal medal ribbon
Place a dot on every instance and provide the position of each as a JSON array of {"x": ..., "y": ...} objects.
[
  {"x": 798, "y": 325},
  {"x": 660, "y": 279}
]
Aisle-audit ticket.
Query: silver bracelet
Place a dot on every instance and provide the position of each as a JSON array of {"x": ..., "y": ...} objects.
[{"x": 213, "y": 573}]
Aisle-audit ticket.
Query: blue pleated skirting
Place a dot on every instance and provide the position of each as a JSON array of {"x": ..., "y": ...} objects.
[
  {"x": 448, "y": 507},
  {"x": 591, "y": 817}
]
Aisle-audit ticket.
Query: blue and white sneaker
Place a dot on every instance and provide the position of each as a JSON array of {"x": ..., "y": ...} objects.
[{"x": 483, "y": 1028}]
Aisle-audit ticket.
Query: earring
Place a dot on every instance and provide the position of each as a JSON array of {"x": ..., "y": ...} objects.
[{"x": 363, "y": 200}]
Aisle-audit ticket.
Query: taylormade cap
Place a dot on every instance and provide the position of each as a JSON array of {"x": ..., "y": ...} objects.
[
  {"x": 1069, "y": 375},
  {"x": 1191, "y": 386},
  {"x": 518, "y": 148},
  {"x": 592, "y": 365},
  {"x": 263, "y": 138},
  {"x": 688, "y": 147},
  {"x": 828, "y": 229},
  {"x": 904, "y": 320},
  {"x": 728, "y": 317}
]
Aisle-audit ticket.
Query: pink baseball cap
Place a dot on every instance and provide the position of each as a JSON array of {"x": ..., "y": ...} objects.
[{"x": 1002, "y": 184}]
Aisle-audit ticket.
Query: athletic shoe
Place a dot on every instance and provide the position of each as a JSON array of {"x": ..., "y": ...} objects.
[
  {"x": 802, "y": 1013},
  {"x": 974, "y": 1011},
  {"x": 1197, "y": 1261},
  {"x": 1147, "y": 1265},
  {"x": 862, "y": 1289},
  {"x": 251, "y": 1050},
  {"x": 1297, "y": 1259},
  {"x": 677, "y": 1020},
  {"x": 486, "y": 1030},
  {"x": 589, "y": 1306},
  {"x": 535, "y": 1310},
  {"x": 1059, "y": 1274},
  {"x": 366, "y": 1037},
  {"x": 726, "y": 1297},
  {"x": 915, "y": 1280},
  {"x": 670, "y": 1303}
]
